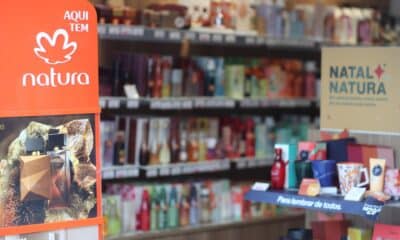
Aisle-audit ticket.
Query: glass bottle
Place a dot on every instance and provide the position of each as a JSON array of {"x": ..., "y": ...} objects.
[
  {"x": 278, "y": 171},
  {"x": 154, "y": 209},
  {"x": 173, "y": 214},
  {"x": 145, "y": 211},
  {"x": 162, "y": 214},
  {"x": 119, "y": 149},
  {"x": 60, "y": 169},
  {"x": 205, "y": 214},
  {"x": 194, "y": 207}
]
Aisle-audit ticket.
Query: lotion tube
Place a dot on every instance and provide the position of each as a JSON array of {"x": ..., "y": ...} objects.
[{"x": 377, "y": 174}]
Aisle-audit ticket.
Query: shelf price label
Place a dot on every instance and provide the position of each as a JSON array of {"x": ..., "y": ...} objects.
[
  {"x": 204, "y": 37},
  {"x": 151, "y": 172},
  {"x": 114, "y": 30},
  {"x": 252, "y": 163},
  {"x": 114, "y": 103},
  {"x": 190, "y": 35},
  {"x": 217, "y": 38},
  {"x": 121, "y": 173},
  {"x": 241, "y": 164},
  {"x": 230, "y": 38},
  {"x": 176, "y": 170},
  {"x": 250, "y": 40},
  {"x": 175, "y": 35},
  {"x": 103, "y": 103},
  {"x": 159, "y": 34},
  {"x": 133, "y": 172},
  {"x": 249, "y": 103},
  {"x": 132, "y": 104},
  {"x": 108, "y": 174},
  {"x": 164, "y": 171},
  {"x": 102, "y": 29}
]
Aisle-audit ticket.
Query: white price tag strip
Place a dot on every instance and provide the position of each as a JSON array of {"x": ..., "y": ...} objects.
[
  {"x": 252, "y": 163},
  {"x": 101, "y": 29},
  {"x": 114, "y": 103},
  {"x": 176, "y": 170},
  {"x": 133, "y": 172},
  {"x": 190, "y": 36},
  {"x": 108, "y": 174},
  {"x": 103, "y": 103},
  {"x": 164, "y": 171},
  {"x": 132, "y": 104},
  {"x": 175, "y": 35},
  {"x": 151, "y": 172},
  {"x": 230, "y": 39},
  {"x": 259, "y": 186},
  {"x": 204, "y": 37},
  {"x": 114, "y": 30},
  {"x": 250, "y": 40},
  {"x": 217, "y": 38},
  {"x": 159, "y": 34},
  {"x": 121, "y": 173},
  {"x": 241, "y": 164}
]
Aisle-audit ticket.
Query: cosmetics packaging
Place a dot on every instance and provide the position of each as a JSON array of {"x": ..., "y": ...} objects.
[
  {"x": 278, "y": 171},
  {"x": 166, "y": 77},
  {"x": 392, "y": 183},
  {"x": 219, "y": 78},
  {"x": 165, "y": 153},
  {"x": 60, "y": 169},
  {"x": 289, "y": 153},
  {"x": 377, "y": 174},
  {"x": 114, "y": 218},
  {"x": 261, "y": 140}
]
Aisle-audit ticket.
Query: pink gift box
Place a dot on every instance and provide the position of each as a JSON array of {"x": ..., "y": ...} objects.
[{"x": 392, "y": 182}]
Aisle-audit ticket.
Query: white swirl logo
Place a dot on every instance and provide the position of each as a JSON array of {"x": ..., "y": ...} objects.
[{"x": 55, "y": 49}]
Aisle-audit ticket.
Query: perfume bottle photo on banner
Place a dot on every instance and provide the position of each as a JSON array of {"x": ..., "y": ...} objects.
[{"x": 60, "y": 169}]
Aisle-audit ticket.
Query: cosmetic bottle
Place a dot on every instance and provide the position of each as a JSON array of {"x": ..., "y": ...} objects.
[
  {"x": 60, "y": 169},
  {"x": 154, "y": 209},
  {"x": 119, "y": 149},
  {"x": 173, "y": 211},
  {"x": 278, "y": 171},
  {"x": 162, "y": 214},
  {"x": 194, "y": 206},
  {"x": 144, "y": 211}
]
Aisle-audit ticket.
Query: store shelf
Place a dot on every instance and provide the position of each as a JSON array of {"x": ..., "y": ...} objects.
[
  {"x": 336, "y": 204},
  {"x": 120, "y": 172},
  {"x": 179, "y": 169},
  {"x": 162, "y": 35},
  {"x": 176, "y": 233},
  {"x": 156, "y": 106}
]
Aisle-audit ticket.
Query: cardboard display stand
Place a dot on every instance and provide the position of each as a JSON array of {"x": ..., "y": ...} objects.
[{"x": 50, "y": 180}]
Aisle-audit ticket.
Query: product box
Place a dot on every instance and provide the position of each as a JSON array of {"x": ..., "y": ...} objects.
[
  {"x": 358, "y": 234},
  {"x": 363, "y": 152},
  {"x": 386, "y": 232},
  {"x": 392, "y": 182}
]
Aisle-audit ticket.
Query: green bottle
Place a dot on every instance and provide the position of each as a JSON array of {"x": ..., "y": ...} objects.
[
  {"x": 114, "y": 219},
  {"x": 162, "y": 214},
  {"x": 154, "y": 209},
  {"x": 173, "y": 211}
]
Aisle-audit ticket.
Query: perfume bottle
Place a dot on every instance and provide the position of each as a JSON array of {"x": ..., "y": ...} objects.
[
  {"x": 193, "y": 149},
  {"x": 119, "y": 149},
  {"x": 166, "y": 78},
  {"x": 162, "y": 214},
  {"x": 184, "y": 207},
  {"x": 154, "y": 209},
  {"x": 144, "y": 211},
  {"x": 60, "y": 169},
  {"x": 165, "y": 153},
  {"x": 114, "y": 222},
  {"x": 158, "y": 79},
  {"x": 194, "y": 206},
  {"x": 205, "y": 208},
  {"x": 173, "y": 211},
  {"x": 144, "y": 154},
  {"x": 278, "y": 171},
  {"x": 183, "y": 155}
]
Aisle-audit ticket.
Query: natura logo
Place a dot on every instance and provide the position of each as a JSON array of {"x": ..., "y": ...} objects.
[{"x": 54, "y": 50}]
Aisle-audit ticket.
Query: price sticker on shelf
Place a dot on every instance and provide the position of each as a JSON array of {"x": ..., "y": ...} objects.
[
  {"x": 260, "y": 40},
  {"x": 103, "y": 103},
  {"x": 230, "y": 39},
  {"x": 217, "y": 38},
  {"x": 241, "y": 164},
  {"x": 102, "y": 29},
  {"x": 204, "y": 37},
  {"x": 159, "y": 34},
  {"x": 164, "y": 171},
  {"x": 114, "y": 30},
  {"x": 187, "y": 104},
  {"x": 252, "y": 163},
  {"x": 121, "y": 173},
  {"x": 114, "y": 103},
  {"x": 132, "y": 104},
  {"x": 250, "y": 40},
  {"x": 176, "y": 170},
  {"x": 151, "y": 172},
  {"x": 108, "y": 174},
  {"x": 175, "y": 35},
  {"x": 132, "y": 172},
  {"x": 259, "y": 186},
  {"x": 190, "y": 36},
  {"x": 138, "y": 31},
  {"x": 249, "y": 103}
]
